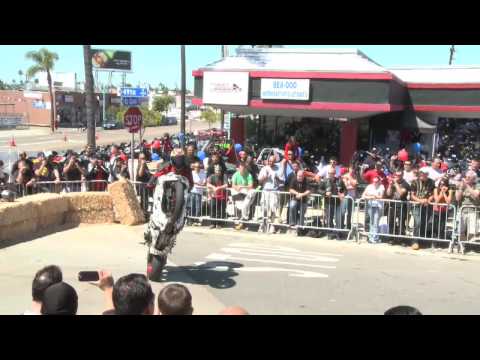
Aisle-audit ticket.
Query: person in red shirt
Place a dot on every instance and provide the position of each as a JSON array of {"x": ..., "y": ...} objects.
[
  {"x": 369, "y": 175},
  {"x": 166, "y": 146},
  {"x": 292, "y": 146}
]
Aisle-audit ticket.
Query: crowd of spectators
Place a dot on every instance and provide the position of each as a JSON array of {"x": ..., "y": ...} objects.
[
  {"x": 131, "y": 294},
  {"x": 226, "y": 170}
]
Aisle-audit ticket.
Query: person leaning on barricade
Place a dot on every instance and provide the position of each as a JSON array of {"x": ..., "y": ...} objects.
[
  {"x": 194, "y": 204},
  {"x": 24, "y": 178},
  {"x": 442, "y": 197},
  {"x": 422, "y": 197},
  {"x": 243, "y": 193},
  {"x": 97, "y": 173},
  {"x": 143, "y": 176},
  {"x": 334, "y": 190},
  {"x": 374, "y": 194},
  {"x": 299, "y": 192},
  {"x": 270, "y": 178},
  {"x": 73, "y": 171},
  {"x": 468, "y": 194},
  {"x": 351, "y": 183},
  {"x": 217, "y": 185},
  {"x": 397, "y": 209}
]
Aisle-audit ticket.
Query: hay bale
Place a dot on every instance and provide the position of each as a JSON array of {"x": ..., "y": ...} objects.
[
  {"x": 90, "y": 217},
  {"x": 48, "y": 221},
  {"x": 18, "y": 230},
  {"x": 48, "y": 204},
  {"x": 127, "y": 207},
  {"x": 14, "y": 212},
  {"x": 92, "y": 201}
]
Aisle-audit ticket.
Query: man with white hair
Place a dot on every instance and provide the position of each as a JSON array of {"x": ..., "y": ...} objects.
[{"x": 468, "y": 194}]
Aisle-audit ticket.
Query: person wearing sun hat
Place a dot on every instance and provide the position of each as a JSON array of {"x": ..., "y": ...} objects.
[{"x": 422, "y": 194}]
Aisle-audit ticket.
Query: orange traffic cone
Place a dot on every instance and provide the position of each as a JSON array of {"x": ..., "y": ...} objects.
[{"x": 12, "y": 142}]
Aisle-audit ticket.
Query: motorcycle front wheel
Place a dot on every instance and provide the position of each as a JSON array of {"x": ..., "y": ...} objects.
[{"x": 155, "y": 265}]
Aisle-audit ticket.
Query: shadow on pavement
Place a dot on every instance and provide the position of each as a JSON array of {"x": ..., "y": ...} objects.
[{"x": 217, "y": 274}]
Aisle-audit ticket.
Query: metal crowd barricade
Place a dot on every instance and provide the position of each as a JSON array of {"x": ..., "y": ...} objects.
[
  {"x": 144, "y": 195},
  {"x": 406, "y": 220},
  {"x": 333, "y": 214},
  {"x": 234, "y": 207},
  {"x": 468, "y": 226},
  {"x": 60, "y": 187}
]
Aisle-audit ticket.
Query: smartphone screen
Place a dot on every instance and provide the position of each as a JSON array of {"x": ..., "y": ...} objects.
[{"x": 88, "y": 276}]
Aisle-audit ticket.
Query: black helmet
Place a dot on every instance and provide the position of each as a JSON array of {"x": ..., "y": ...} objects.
[{"x": 178, "y": 161}]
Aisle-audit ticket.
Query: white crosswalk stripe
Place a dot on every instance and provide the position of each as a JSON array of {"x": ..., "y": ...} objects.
[{"x": 295, "y": 262}]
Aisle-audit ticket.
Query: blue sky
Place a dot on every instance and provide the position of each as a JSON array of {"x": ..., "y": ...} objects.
[{"x": 161, "y": 63}]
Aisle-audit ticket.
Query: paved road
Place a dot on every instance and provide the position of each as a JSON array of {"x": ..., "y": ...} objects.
[
  {"x": 113, "y": 247},
  {"x": 266, "y": 274},
  {"x": 38, "y": 139}
]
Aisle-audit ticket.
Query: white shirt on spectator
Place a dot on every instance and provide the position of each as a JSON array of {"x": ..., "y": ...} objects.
[
  {"x": 409, "y": 176},
  {"x": 271, "y": 175},
  {"x": 198, "y": 177},
  {"x": 433, "y": 174},
  {"x": 371, "y": 190},
  {"x": 323, "y": 172}
]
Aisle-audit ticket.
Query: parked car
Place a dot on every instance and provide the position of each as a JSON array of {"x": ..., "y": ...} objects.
[
  {"x": 111, "y": 125},
  {"x": 171, "y": 120}
]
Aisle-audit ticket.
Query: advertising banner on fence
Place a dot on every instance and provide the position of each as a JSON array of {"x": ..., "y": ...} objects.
[
  {"x": 285, "y": 89},
  {"x": 225, "y": 88},
  {"x": 111, "y": 60}
]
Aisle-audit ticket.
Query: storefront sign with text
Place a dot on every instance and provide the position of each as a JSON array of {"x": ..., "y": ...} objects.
[{"x": 285, "y": 89}]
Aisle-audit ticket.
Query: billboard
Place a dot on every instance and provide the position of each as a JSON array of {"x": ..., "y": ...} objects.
[
  {"x": 225, "y": 88},
  {"x": 111, "y": 60}
]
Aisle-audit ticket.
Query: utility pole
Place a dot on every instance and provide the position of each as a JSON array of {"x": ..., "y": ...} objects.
[
  {"x": 452, "y": 52},
  {"x": 182, "y": 98},
  {"x": 222, "y": 113},
  {"x": 89, "y": 95}
]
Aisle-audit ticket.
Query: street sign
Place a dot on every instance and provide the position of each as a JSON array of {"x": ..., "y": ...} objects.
[
  {"x": 134, "y": 92},
  {"x": 131, "y": 101},
  {"x": 133, "y": 119}
]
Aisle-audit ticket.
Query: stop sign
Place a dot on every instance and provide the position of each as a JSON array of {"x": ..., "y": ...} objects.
[{"x": 133, "y": 119}]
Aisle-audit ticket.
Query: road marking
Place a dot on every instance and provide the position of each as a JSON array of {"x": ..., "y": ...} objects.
[
  {"x": 292, "y": 272},
  {"x": 281, "y": 249},
  {"x": 283, "y": 255},
  {"x": 225, "y": 257}
]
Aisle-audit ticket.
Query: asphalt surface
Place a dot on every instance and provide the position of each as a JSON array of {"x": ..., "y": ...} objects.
[
  {"x": 40, "y": 139},
  {"x": 266, "y": 274}
]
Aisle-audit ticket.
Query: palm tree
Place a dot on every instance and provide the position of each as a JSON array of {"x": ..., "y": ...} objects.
[
  {"x": 44, "y": 62},
  {"x": 89, "y": 96}
]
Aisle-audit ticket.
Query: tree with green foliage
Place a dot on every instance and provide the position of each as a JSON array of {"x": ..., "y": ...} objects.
[
  {"x": 210, "y": 116},
  {"x": 44, "y": 62},
  {"x": 161, "y": 103}
]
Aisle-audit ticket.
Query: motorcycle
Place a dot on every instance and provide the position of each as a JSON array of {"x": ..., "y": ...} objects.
[{"x": 167, "y": 220}]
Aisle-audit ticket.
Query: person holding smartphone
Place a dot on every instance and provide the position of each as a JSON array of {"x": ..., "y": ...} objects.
[{"x": 441, "y": 195}]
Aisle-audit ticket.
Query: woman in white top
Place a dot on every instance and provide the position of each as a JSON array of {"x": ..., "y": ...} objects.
[{"x": 373, "y": 193}]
